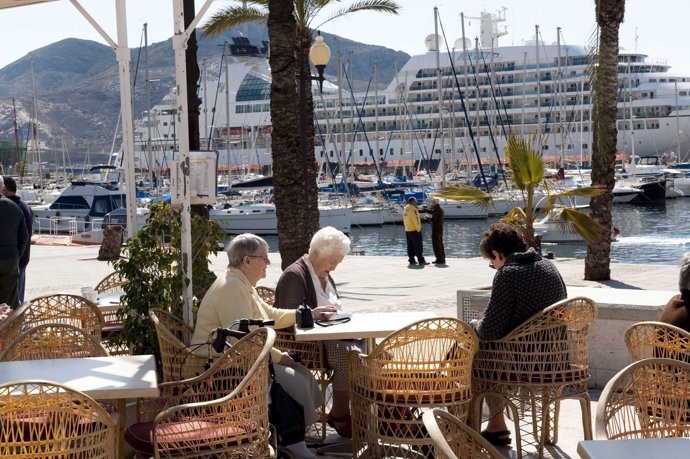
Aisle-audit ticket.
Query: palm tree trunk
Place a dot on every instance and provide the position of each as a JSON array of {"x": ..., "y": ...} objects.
[
  {"x": 609, "y": 15},
  {"x": 288, "y": 182}
]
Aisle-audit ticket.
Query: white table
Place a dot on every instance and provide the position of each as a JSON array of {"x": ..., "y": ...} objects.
[
  {"x": 363, "y": 326},
  {"x": 117, "y": 377},
  {"x": 634, "y": 449}
]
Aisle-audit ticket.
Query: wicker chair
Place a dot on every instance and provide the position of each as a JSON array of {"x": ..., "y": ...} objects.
[
  {"x": 48, "y": 420},
  {"x": 111, "y": 283},
  {"x": 267, "y": 294},
  {"x": 427, "y": 364},
  {"x": 536, "y": 365},
  {"x": 221, "y": 413},
  {"x": 65, "y": 309},
  {"x": 646, "y": 340},
  {"x": 53, "y": 341},
  {"x": 649, "y": 398},
  {"x": 453, "y": 439},
  {"x": 11, "y": 327},
  {"x": 178, "y": 360}
]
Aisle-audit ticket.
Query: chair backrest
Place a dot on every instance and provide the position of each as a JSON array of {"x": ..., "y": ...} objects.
[
  {"x": 453, "y": 439},
  {"x": 649, "y": 398},
  {"x": 11, "y": 327},
  {"x": 549, "y": 347},
  {"x": 426, "y": 364},
  {"x": 67, "y": 309},
  {"x": 37, "y": 417},
  {"x": 267, "y": 294},
  {"x": 232, "y": 396},
  {"x": 178, "y": 360},
  {"x": 53, "y": 341},
  {"x": 646, "y": 340},
  {"x": 113, "y": 282}
]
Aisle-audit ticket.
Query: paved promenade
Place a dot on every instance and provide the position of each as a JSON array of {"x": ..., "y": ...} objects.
[{"x": 374, "y": 284}]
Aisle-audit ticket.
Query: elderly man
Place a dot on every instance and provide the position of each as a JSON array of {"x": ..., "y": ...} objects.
[
  {"x": 413, "y": 233},
  {"x": 10, "y": 192},
  {"x": 437, "y": 216},
  {"x": 13, "y": 240}
]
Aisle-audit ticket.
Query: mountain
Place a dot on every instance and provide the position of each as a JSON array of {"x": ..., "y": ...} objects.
[{"x": 77, "y": 86}]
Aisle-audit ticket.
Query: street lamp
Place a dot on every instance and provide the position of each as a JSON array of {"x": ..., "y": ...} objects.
[{"x": 320, "y": 54}]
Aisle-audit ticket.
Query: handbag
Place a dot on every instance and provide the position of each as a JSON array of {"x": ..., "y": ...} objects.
[
  {"x": 285, "y": 413},
  {"x": 304, "y": 317}
]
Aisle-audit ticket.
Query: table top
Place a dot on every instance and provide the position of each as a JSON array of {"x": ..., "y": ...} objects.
[
  {"x": 108, "y": 299},
  {"x": 642, "y": 448},
  {"x": 120, "y": 376},
  {"x": 363, "y": 325}
]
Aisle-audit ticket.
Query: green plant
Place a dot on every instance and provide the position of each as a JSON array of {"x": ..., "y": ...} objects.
[
  {"x": 527, "y": 174},
  {"x": 151, "y": 265}
]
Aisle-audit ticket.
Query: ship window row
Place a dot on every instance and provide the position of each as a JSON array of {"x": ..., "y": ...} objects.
[
  {"x": 253, "y": 108},
  {"x": 253, "y": 88}
]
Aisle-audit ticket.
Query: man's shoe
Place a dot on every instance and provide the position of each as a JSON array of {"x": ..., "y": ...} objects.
[
  {"x": 436, "y": 262},
  {"x": 411, "y": 263},
  {"x": 424, "y": 263}
]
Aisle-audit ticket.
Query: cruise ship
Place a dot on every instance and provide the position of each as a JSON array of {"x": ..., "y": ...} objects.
[{"x": 538, "y": 90}]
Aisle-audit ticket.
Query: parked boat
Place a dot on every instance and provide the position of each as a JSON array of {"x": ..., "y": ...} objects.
[{"x": 262, "y": 219}]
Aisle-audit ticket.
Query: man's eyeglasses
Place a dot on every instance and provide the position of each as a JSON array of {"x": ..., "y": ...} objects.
[{"x": 263, "y": 257}]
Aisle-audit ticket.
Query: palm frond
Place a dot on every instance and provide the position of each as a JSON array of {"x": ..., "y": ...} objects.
[
  {"x": 566, "y": 197},
  {"x": 583, "y": 224},
  {"x": 232, "y": 16},
  {"x": 464, "y": 193},
  {"x": 380, "y": 6},
  {"x": 526, "y": 164}
]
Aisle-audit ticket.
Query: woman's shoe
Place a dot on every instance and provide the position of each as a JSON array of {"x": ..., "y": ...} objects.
[
  {"x": 500, "y": 438},
  {"x": 342, "y": 424}
]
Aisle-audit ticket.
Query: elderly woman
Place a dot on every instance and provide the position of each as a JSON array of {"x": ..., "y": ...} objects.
[
  {"x": 524, "y": 284},
  {"x": 308, "y": 280},
  {"x": 233, "y": 297},
  {"x": 676, "y": 312}
]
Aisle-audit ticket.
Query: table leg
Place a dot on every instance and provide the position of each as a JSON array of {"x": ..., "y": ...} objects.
[{"x": 121, "y": 426}]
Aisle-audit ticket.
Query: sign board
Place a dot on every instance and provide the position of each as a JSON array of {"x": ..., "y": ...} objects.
[{"x": 202, "y": 178}]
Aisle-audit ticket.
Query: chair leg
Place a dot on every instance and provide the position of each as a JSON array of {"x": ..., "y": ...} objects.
[{"x": 586, "y": 408}]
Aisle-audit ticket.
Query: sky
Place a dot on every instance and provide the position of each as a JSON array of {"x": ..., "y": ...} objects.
[{"x": 657, "y": 28}]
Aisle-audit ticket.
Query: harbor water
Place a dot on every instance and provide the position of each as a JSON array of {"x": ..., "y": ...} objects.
[{"x": 650, "y": 234}]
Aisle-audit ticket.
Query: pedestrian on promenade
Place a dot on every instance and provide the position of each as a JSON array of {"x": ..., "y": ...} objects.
[
  {"x": 10, "y": 192},
  {"x": 676, "y": 310},
  {"x": 13, "y": 240},
  {"x": 308, "y": 280},
  {"x": 524, "y": 284},
  {"x": 413, "y": 233},
  {"x": 437, "y": 215}
]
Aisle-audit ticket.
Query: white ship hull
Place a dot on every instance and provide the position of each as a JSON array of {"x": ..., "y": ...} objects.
[{"x": 261, "y": 218}]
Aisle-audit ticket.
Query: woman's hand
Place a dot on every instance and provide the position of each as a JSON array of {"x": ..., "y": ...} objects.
[
  {"x": 324, "y": 312},
  {"x": 286, "y": 360}
]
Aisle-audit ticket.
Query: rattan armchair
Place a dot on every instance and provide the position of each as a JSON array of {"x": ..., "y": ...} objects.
[
  {"x": 427, "y": 364},
  {"x": 111, "y": 283},
  {"x": 67, "y": 309},
  {"x": 313, "y": 356},
  {"x": 221, "y": 413},
  {"x": 11, "y": 327},
  {"x": 178, "y": 359},
  {"x": 453, "y": 439},
  {"x": 53, "y": 341},
  {"x": 649, "y": 398},
  {"x": 48, "y": 420},
  {"x": 539, "y": 363},
  {"x": 647, "y": 340}
]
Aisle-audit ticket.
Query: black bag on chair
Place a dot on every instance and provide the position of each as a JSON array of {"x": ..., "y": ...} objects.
[{"x": 285, "y": 413}]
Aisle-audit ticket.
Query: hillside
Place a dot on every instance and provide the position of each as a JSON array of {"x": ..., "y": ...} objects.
[{"x": 77, "y": 86}]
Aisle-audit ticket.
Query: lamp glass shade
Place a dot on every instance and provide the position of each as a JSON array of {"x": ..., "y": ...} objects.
[{"x": 319, "y": 53}]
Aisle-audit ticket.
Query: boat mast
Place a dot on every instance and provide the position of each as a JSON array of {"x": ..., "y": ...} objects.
[
  {"x": 561, "y": 106},
  {"x": 34, "y": 125},
  {"x": 439, "y": 83},
  {"x": 149, "y": 155},
  {"x": 227, "y": 109},
  {"x": 675, "y": 86},
  {"x": 465, "y": 63},
  {"x": 536, "y": 36}
]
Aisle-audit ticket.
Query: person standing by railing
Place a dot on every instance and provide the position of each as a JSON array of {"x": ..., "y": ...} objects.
[
  {"x": 13, "y": 240},
  {"x": 10, "y": 192}
]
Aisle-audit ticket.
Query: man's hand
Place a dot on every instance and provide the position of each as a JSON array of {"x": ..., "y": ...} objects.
[{"x": 286, "y": 360}]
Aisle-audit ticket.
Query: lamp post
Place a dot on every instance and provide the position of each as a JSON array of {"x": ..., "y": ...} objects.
[{"x": 320, "y": 54}]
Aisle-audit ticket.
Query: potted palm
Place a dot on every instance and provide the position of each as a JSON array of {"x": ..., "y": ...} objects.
[{"x": 527, "y": 173}]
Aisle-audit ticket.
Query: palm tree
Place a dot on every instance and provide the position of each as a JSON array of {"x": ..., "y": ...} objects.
[
  {"x": 604, "y": 84},
  {"x": 295, "y": 188},
  {"x": 527, "y": 173}
]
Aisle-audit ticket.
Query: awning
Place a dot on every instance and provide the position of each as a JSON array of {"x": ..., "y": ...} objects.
[{"x": 12, "y": 3}]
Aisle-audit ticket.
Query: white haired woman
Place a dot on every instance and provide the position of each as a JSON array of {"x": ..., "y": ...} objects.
[
  {"x": 233, "y": 297},
  {"x": 308, "y": 280},
  {"x": 677, "y": 310}
]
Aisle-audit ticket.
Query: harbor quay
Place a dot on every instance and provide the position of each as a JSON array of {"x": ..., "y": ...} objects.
[{"x": 386, "y": 283}]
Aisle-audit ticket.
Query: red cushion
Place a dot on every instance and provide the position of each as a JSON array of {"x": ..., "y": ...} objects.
[
  {"x": 110, "y": 329},
  {"x": 198, "y": 435}
]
